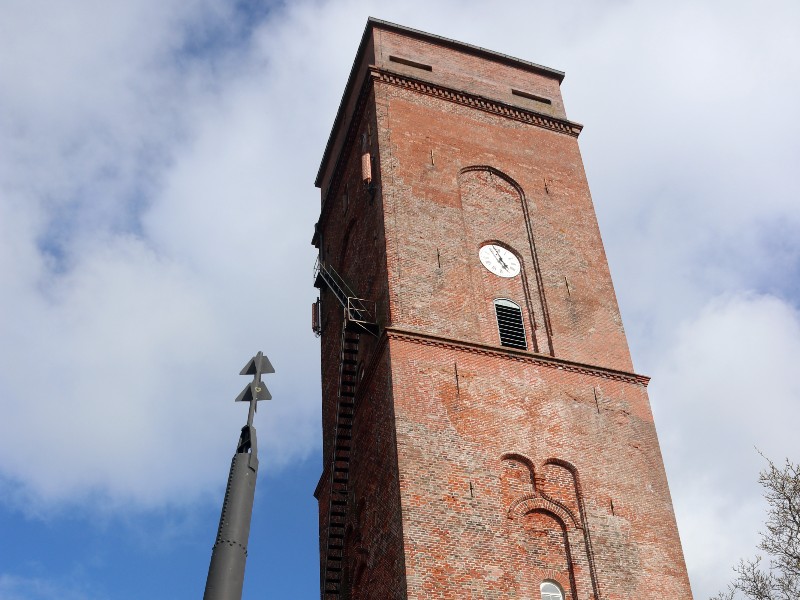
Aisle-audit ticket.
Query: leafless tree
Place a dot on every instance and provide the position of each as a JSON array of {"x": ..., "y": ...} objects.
[{"x": 778, "y": 576}]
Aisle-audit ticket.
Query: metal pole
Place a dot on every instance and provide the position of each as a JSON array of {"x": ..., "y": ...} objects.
[
  {"x": 228, "y": 557},
  {"x": 229, "y": 554}
]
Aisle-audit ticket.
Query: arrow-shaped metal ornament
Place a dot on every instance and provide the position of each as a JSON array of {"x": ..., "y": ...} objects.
[
  {"x": 258, "y": 365},
  {"x": 255, "y": 390}
]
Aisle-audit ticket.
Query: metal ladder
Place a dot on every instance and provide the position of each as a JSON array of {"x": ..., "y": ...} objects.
[
  {"x": 359, "y": 318},
  {"x": 340, "y": 466}
]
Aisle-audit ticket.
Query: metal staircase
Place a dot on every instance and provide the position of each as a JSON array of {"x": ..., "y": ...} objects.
[
  {"x": 359, "y": 314},
  {"x": 359, "y": 318}
]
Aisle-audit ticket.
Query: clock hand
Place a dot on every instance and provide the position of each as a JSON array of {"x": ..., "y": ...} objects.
[{"x": 500, "y": 258}]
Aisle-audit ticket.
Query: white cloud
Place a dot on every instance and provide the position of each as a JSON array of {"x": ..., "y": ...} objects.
[
  {"x": 151, "y": 233},
  {"x": 727, "y": 386}
]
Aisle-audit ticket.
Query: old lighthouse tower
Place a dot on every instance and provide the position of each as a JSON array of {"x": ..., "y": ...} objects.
[{"x": 485, "y": 434}]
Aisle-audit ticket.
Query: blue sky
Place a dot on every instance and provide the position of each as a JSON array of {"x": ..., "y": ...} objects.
[{"x": 156, "y": 210}]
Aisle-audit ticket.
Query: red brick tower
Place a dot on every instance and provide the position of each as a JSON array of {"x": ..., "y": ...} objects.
[{"x": 484, "y": 433}]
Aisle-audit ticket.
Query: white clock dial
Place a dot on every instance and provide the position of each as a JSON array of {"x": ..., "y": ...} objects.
[{"x": 499, "y": 261}]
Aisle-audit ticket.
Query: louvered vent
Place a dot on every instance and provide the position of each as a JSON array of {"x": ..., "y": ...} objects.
[{"x": 509, "y": 322}]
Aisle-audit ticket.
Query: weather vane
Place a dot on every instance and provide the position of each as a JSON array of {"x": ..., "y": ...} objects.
[{"x": 226, "y": 571}]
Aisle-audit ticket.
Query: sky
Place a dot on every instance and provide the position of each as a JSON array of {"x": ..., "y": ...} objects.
[{"x": 157, "y": 160}]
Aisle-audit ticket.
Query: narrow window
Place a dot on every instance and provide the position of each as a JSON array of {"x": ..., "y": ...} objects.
[
  {"x": 551, "y": 591},
  {"x": 509, "y": 323}
]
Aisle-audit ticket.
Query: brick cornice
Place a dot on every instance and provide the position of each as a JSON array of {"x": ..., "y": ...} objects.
[
  {"x": 489, "y": 105},
  {"x": 542, "y": 360}
]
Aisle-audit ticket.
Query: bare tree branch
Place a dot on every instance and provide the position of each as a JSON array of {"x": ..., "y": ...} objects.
[{"x": 779, "y": 578}]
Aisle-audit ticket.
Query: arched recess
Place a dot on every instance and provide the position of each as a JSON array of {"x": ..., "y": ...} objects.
[
  {"x": 486, "y": 188},
  {"x": 555, "y": 490},
  {"x": 557, "y": 483},
  {"x": 547, "y": 552},
  {"x": 517, "y": 477},
  {"x": 571, "y": 499}
]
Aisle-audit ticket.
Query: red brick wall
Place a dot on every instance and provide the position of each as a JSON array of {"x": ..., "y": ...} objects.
[
  {"x": 478, "y": 471},
  {"x": 461, "y": 71},
  {"x": 462, "y": 508},
  {"x": 429, "y": 210}
]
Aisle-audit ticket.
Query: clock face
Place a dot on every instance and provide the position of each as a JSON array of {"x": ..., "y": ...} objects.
[{"x": 499, "y": 261}]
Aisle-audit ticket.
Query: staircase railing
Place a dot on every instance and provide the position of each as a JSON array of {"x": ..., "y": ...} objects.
[{"x": 359, "y": 312}]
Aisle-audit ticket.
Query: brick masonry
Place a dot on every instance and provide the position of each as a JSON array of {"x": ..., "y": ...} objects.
[{"x": 479, "y": 471}]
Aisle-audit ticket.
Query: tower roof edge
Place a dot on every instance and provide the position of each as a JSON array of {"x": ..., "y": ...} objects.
[
  {"x": 374, "y": 23},
  {"x": 464, "y": 47}
]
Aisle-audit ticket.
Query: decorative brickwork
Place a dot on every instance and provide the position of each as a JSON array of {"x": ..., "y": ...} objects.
[
  {"x": 485, "y": 104},
  {"x": 455, "y": 467}
]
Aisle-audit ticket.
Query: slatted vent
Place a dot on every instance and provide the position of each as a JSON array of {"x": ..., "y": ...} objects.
[{"x": 509, "y": 322}]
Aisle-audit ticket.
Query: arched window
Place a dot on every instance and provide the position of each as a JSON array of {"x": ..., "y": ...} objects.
[
  {"x": 551, "y": 591},
  {"x": 509, "y": 324}
]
